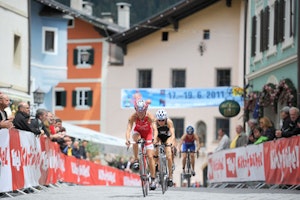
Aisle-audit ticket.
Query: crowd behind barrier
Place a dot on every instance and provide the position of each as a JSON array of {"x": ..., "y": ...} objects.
[
  {"x": 28, "y": 161},
  {"x": 273, "y": 163}
]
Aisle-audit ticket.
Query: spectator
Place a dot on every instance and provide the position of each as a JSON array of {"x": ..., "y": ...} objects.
[
  {"x": 257, "y": 131},
  {"x": 121, "y": 164},
  {"x": 292, "y": 128},
  {"x": 66, "y": 146},
  {"x": 285, "y": 118},
  {"x": 224, "y": 140},
  {"x": 75, "y": 149},
  {"x": 37, "y": 122},
  {"x": 251, "y": 123},
  {"x": 240, "y": 139},
  {"x": 83, "y": 150},
  {"x": 129, "y": 164},
  {"x": 5, "y": 122},
  {"x": 268, "y": 129},
  {"x": 22, "y": 119}
]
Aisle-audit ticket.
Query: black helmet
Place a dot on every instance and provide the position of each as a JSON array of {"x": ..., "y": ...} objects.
[
  {"x": 136, "y": 166},
  {"x": 189, "y": 130}
]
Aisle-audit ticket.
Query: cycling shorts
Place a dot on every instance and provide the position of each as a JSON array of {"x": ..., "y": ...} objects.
[
  {"x": 190, "y": 146},
  {"x": 148, "y": 137}
]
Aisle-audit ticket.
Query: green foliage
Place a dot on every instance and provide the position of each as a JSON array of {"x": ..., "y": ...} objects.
[{"x": 139, "y": 10}]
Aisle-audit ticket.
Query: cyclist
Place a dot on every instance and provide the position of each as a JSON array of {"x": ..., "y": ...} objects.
[
  {"x": 188, "y": 142},
  {"x": 166, "y": 134},
  {"x": 145, "y": 127}
]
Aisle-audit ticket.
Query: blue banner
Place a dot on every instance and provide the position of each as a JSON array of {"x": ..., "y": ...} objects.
[{"x": 181, "y": 97}]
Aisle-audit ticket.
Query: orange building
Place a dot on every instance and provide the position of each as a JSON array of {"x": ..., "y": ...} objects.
[{"x": 78, "y": 99}]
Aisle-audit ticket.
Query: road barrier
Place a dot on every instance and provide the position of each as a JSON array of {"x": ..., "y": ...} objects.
[
  {"x": 27, "y": 161},
  {"x": 270, "y": 164}
]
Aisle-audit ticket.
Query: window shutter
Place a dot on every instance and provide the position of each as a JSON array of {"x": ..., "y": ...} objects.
[
  {"x": 292, "y": 18},
  {"x": 276, "y": 17},
  {"x": 75, "y": 57},
  {"x": 91, "y": 59},
  {"x": 90, "y": 98},
  {"x": 253, "y": 38},
  {"x": 63, "y": 98},
  {"x": 261, "y": 39},
  {"x": 74, "y": 98},
  {"x": 281, "y": 17},
  {"x": 267, "y": 29}
]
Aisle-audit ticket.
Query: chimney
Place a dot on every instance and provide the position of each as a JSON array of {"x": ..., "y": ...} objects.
[
  {"x": 124, "y": 14},
  {"x": 83, "y": 6},
  {"x": 107, "y": 16}
]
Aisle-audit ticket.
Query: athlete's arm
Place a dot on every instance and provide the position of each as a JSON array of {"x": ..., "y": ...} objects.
[
  {"x": 129, "y": 128},
  {"x": 181, "y": 141},
  {"x": 172, "y": 130},
  {"x": 154, "y": 127},
  {"x": 197, "y": 142}
]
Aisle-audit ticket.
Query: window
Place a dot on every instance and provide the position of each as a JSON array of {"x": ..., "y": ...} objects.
[
  {"x": 83, "y": 57},
  {"x": 265, "y": 26},
  {"x": 82, "y": 98},
  {"x": 60, "y": 98},
  {"x": 223, "y": 77},
  {"x": 145, "y": 77},
  {"x": 201, "y": 131},
  {"x": 224, "y": 124},
  {"x": 178, "y": 78},
  {"x": 17, "y": 50},
  {"x": 49, "y": 40},
  {"x": 206, "y": 34},
  {"x": 289, "y": 23},
  {"x": 165, "y": 36},
  {"x": 179, "y": 127},
  {"x": 71, "y": 23}
]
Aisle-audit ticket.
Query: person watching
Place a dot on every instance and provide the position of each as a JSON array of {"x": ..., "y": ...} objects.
[
  {"x": 251, "y": 123},
  {"x": 257, "y": 131},
  {"x": 38, "y": 122},
  {"x": 291, "y": 129},
  {"x": 22, "y": 119},
  {"x": 5, "y": 121},
  {"x": 187, "y": 142},
  {"x": 268, "y": 129},
  {"x": 166, "y": 135},
  {"x": 224, "y": 141},
  {"x": 145, "y": 127}
]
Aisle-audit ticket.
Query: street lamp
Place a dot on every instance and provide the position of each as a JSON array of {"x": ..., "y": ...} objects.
[{"x": 38, "y": 96}]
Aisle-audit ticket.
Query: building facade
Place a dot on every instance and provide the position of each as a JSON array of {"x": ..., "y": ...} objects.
[
  {"x": 198, "y": 48},
  {"x": 272, "y": 57},
  {"x": 15, "y": 41}
]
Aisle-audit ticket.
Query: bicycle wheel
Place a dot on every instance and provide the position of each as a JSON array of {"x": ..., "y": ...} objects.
[
  {"x": 144, "y": 175},
  {"x": 163, "y": 174},
  {"x": 189, "y": 170}
]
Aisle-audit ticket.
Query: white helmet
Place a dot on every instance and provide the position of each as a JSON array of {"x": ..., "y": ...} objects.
[{"x": 161, "y": 115}]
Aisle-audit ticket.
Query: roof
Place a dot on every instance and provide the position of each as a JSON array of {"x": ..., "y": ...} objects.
[
  {"x": 54, "y": 7},
  {"x": 170, "y": 16}
]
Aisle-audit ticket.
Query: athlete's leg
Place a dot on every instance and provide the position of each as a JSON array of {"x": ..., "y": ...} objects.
[
  {"x": 168, "y": 151},
  {"x": 135, "y": 136}
]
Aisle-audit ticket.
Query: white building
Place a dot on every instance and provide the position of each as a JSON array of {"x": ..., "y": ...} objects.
[
  {"x": 14, "y": 40},
  {"x": 164, "y": 52}
]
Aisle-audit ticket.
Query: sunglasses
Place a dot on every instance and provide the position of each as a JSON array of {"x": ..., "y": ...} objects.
[{"x": 161, "y": 120}]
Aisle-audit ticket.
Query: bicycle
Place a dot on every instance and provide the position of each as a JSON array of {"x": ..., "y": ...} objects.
[
  {"x": 188, "y": 173},
  {"x": 144, "y": 167},
  {"x": 163, "y": 167}
]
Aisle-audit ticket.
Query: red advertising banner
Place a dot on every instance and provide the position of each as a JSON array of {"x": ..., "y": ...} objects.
[
  {"x": 15, "y": 157},
  {"x": 282, "y": 161}
]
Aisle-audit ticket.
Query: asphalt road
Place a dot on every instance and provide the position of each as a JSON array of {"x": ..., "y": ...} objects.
[{"x": 63, "y": 192}]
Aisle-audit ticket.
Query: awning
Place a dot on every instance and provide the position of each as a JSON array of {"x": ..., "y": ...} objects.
[{"x": 110, "y": 143}]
